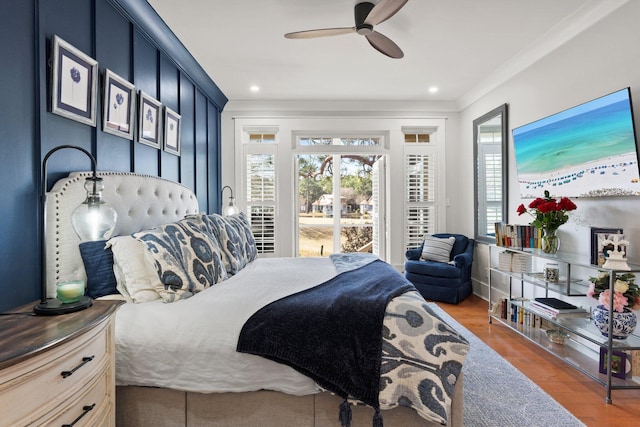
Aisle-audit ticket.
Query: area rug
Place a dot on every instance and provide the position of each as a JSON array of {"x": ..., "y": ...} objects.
[{"x": 496, "y": 394}]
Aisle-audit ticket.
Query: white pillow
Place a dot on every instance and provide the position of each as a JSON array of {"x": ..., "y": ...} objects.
[
  {"x": 437, "y": 248},
  {"x": 136, "y": 278}
]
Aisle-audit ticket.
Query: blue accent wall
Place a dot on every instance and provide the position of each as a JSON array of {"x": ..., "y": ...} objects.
[{"x": 127, "y": 37}]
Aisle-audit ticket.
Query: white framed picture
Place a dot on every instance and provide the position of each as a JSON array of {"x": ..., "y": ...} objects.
[
  {"x": 73, "y": 83},
  {"x": 171, "y": 131},
  {"x": 118, "y": 105},
  {"x": 149, "y": 117}
]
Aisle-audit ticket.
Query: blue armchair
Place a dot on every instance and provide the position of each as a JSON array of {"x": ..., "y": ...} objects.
[{"x": 441, "y": 281}]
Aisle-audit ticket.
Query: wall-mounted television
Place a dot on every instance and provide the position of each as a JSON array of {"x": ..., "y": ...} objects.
[{"x": 589, "y": 150}]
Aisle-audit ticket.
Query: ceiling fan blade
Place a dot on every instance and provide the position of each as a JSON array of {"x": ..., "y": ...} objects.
[
  {"x": 384, "y": 45},
  {"x": 384, "y": 10},
  {"x": 324, "y": 32}
]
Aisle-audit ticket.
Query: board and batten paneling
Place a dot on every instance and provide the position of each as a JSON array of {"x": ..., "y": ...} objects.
[{"x": 129, "y": 38}]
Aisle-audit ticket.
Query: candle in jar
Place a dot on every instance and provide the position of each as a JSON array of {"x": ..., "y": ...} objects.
[{"x": 70, "y": 291}]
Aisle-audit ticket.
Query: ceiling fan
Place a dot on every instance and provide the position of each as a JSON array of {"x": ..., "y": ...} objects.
[{"x": 367, "y": 15}]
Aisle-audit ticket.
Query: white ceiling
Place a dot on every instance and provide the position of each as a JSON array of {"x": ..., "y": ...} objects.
[{"x": 464, "y": 47}]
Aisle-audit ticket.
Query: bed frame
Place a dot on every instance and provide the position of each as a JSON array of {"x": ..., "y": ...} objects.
[{"x": 142, "y": 202}]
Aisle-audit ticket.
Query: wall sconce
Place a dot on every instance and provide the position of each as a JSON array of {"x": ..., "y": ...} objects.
[
  {"x": 231, "y": 208},
  {"x": 93, "y": 219}
]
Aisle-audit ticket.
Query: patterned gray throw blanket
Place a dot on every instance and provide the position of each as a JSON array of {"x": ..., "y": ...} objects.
[{"x": 415, "y": 363}]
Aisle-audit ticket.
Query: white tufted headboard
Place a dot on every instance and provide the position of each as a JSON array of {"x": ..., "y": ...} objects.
[{"x": 141, "y": 201}]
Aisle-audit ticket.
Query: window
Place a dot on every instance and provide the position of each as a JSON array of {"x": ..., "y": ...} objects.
[
  {"x": 336, "y": 203},
  {"x": 260, "y": 186},
  {"x": 420, "y": 183},
  {"x": 490, "y": 148},
  {"x": 342, "y": 184},
  {"x": 351, "y": 142},
  {"x": 335, "y": 200},
  {"x": 417, "y": 138},
  {"x": 262, "y": 138}
]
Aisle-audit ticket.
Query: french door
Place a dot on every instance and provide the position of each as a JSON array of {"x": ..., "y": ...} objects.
[{"x": 339, "y": 203}]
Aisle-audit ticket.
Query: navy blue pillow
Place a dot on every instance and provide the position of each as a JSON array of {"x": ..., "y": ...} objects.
[{"x": 98, "y": 263}]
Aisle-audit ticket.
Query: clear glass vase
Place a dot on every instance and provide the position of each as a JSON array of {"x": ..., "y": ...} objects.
[{"x": 550, "y": 241}]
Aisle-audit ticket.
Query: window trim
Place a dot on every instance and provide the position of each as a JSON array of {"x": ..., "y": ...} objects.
[
  {"x": 381, "y": 148},
  {"x": 502, "y": 110}
]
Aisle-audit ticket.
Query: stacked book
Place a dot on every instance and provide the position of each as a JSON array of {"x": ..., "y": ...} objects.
[
  {"x": 554, "y": 308},
  {"x": 517, "y": 235},
  {"x": 514, "y": 261}
]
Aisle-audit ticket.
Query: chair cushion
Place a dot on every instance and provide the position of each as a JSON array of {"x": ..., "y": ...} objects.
[
  {"x": 437, "y": 249},
  {"x": 430, "y": 269}
]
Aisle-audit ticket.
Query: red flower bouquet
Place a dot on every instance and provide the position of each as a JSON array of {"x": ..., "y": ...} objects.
[{"x": 547, "y": 212}]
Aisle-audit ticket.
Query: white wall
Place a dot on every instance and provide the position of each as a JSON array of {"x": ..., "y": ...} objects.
[{"x": 598, "y": 61}]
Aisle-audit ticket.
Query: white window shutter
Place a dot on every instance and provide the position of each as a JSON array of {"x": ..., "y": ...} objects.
[
  {"x": 420, "y": 197},
  {"x": 261, "y": 200},
  {"x": 490, "y": 209}
]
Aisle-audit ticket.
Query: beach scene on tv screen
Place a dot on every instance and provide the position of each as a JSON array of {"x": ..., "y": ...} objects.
[{"x": 585, "y": 151}]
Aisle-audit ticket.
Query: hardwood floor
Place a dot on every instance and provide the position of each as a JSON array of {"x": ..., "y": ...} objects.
[{"x": 582, "y": 396}]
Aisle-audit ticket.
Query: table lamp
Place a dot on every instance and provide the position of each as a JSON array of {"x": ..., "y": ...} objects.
[{"x": 93, "y": 219}]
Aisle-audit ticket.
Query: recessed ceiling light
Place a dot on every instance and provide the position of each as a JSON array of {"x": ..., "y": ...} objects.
[
  {"x": 254, "y": 88},
  {"x": 433, "y": 89}
]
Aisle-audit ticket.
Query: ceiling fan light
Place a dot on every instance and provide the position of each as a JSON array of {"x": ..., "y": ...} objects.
[{"x": 364, "y": 29}]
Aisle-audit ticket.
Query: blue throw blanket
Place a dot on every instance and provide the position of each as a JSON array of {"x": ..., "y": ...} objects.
[{"x": 331, "y": 333}]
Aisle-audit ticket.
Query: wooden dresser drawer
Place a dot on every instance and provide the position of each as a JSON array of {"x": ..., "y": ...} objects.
[
  {"x": 89, "y": 409},
  {"x": 38, "y": 386}
]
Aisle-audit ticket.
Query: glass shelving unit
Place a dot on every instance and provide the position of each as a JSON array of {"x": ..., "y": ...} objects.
[{"x": 582, "y": 348}]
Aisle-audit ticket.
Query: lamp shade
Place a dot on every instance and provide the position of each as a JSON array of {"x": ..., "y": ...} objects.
[
  {"x": 94, "y": 219},
  {"x": 231, "y": 208}
]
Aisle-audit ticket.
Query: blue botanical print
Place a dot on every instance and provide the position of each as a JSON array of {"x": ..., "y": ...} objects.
[
  {"x": 119, "y": 101},
  {"x": 149, "y": 116},
  {"x": 75, "y": 75}
]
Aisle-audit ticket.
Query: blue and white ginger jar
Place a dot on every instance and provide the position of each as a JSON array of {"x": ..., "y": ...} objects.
[{"x": 623, "y": 323}]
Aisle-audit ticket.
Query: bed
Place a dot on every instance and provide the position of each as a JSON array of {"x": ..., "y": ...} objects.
[{"x": 177, "y": 358}]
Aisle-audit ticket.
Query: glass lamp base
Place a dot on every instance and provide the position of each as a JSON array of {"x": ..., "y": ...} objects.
[{"x": 53, "y": 307}]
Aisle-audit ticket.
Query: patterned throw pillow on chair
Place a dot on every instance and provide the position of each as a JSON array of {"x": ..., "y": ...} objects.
[{"x": 437, "y": 248}]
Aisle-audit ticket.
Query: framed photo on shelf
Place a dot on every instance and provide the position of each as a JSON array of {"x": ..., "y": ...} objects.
[
  {"x": 118, "y": 105},
  {"x": 598, "y": 251},
  {"x": 149, "y": 116},
  {"x": 171, "y": 131},
  {"x": 74, "y": 83},
  {"x": 618, "y": 363}
]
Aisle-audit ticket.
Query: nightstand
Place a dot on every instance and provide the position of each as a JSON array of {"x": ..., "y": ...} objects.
[{"x": 58, "y": 370}]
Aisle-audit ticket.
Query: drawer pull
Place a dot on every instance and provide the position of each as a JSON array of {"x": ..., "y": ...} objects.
[
  {"x": 85, "y": 360},
  {"x": 86, "y": 410}
]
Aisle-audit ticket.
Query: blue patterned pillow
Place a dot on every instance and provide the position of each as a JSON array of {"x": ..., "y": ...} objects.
[
  {"x": 98, "y": 264},
  {"x": 241, "y": 223},
  {"x": 186, "y": 258},
  {"x": 231, "y": 242}
]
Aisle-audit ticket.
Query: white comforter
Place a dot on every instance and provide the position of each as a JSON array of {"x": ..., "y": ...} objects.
[{"x": 191, "y": 344}]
